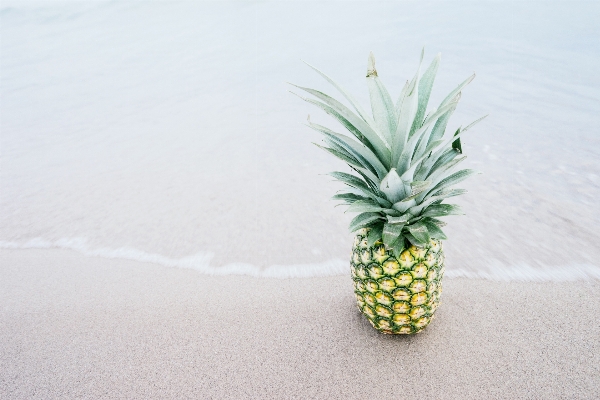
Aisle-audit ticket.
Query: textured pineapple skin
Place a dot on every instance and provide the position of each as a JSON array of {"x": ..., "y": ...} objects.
[{"x": 397, "y": 295}]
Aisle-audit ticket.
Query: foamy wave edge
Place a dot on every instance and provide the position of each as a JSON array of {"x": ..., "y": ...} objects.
[{"x": 335, "y": 267}]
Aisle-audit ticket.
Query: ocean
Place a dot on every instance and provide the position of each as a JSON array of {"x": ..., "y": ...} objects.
[{"x": 165, "y": 132}]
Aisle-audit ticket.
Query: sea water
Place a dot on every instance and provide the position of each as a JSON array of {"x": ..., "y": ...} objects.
[{"x": 164, "y": 132}]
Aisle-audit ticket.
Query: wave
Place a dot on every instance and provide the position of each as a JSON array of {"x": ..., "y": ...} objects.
[{"x": 335, "y": 267}]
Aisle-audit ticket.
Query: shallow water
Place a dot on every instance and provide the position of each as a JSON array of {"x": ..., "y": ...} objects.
[{"x": 164, "y": 131}]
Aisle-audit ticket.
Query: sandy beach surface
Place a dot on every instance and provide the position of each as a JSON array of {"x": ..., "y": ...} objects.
[{"x": 84, "y": 327}]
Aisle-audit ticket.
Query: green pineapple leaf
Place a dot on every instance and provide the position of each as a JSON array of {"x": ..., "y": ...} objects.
[
  {"x": 413, "y": 240},
  {"x": 398, "y": 247},
  {"x": 456, "y": 144},
  {"x": 409, "y": 147},
  {"x": 381, "y": 102},
  {"x": 457, "y": 90},
  {"x": 364, "y": 220},
  {"x": 362, "y": 206},
  {"x": 340, "y": 154},
  {"x": 440, "y": 125},
  {"x": 402, "y": 220},
  {"x": 425, "y": 86},
  {"x": 348, "y": 197},
  {"x": 364, "y": 115},
  {"x": 351, "y": 180},
  {"x": 351, "y": 121},
  {"x": 374, "y": 234},
  {"x": 442, "y": 210},
  {"x": 391, "y": 233},
  {"x": 420, "y": 232},
  {"x": 356, "y": 149},
  {"x": 434, "y": 230},
  {"x": 453, "y": 179}
]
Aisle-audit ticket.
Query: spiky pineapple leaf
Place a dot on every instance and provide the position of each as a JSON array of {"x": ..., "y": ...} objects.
[
  {"x": 409, "y": 174},
  {"x": 444, "y": 171},
  {"x": 440, "y": 125},
  {"x": 406, "y": 115},
  {"x": 362, "y": 206},
  {"x": 456, "y": 144},
  {"x": 417, "y": 187},
  {"x": 401, "y": 220},
  {"x": 442, "y": 210},
  {"x": 363, "y": 114},
  {"x": 446, "y": 193},
  {"x": 348, "y": 197},
  {"x": 391, "y": 233},
  {"x": 374, "y": 234},
  {"x": 351, "y": 180},
  {"x": 425, "y": 85},
  {"x": 434, "y": 230},
  {"x": 453, "y": 179},
  {"x": 413, "y": 240},
  {"x": 364, "y": 220},
  {"x": 340, "y": 154},
  {"x": 457, "y": 90},
  {"x": 404, "y": 205},
  {"x": 439, "y": 223},
  {"x": 357, "y": 149},
  {"x": 419, "y": 231},
  {"x": 351, "y": 121},
  {"x": 409, "y": 148},
  {"x": 381, "y": 102},
  {"x": 444, "y": 158},
  {"x": 435, "y": 198},
  {"x": 472, "y": 124},
  {"x": 398, "y": 246}
]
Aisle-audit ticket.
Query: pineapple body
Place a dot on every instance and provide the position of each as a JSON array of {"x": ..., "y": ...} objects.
[{"x": 397, "y": 295}]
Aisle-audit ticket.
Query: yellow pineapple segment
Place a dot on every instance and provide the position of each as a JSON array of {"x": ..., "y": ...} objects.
[
  {"x": 391, "y": 267},
  {"x": 418, "y": 298},
  {"x": 401, "y": 319},
  {"x": 418, "y": 286},
  {"x": 418, "y": 252},
  {"x": 380, "y": 254},
  {"x": 403, "y": 279},
  {"x": 401, "y": 307},
  {"x": 365, "y": 256},
  {"x": 419, "y": 271},
  {"x": 401, "y": 294},
  {"x": 417, "y": 312},
  {"x": 384, "y": 298},
  {"x": 371, "y": 286},
  {"x": 375, "y": 271},
  {"x": 383, "y": 311},
  {"x": 406, "y": 260},
  {"x": 387, "y": 284},
  {"x": 370, "y": 299},
  {"x": 406, "y": 329}
]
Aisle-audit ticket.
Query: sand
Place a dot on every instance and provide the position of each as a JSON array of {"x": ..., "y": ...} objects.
[{"x": 83, "y": 327}]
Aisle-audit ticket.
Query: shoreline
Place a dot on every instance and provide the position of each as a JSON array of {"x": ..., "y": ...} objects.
[{"x": 92, "y": 327}]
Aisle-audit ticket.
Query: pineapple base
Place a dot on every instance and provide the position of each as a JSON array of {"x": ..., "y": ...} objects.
[{"x": 397, "y": 295}]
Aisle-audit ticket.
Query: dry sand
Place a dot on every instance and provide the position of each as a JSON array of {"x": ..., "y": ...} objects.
[{"x": 83, "y": 327}]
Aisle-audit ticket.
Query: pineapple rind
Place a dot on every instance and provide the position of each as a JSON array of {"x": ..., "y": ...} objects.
[{"x": 397, "y": 296}]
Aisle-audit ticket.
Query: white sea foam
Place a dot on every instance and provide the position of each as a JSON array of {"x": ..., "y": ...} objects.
[{"x": 201, "y": 262}]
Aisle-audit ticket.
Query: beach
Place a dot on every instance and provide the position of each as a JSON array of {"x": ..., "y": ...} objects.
[
  {"x": 75, "y": 326},
  {"x": 166, "y": 222}
]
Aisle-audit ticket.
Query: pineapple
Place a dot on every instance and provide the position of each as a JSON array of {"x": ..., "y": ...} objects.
[{"x": 404, "y": 164}]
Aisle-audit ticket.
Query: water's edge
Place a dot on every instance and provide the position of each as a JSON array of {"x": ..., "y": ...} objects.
[{"x": 334, "y": 267}]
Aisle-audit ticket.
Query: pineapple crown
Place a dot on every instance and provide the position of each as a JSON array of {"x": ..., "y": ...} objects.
[{"x": 405, "y": 163}]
